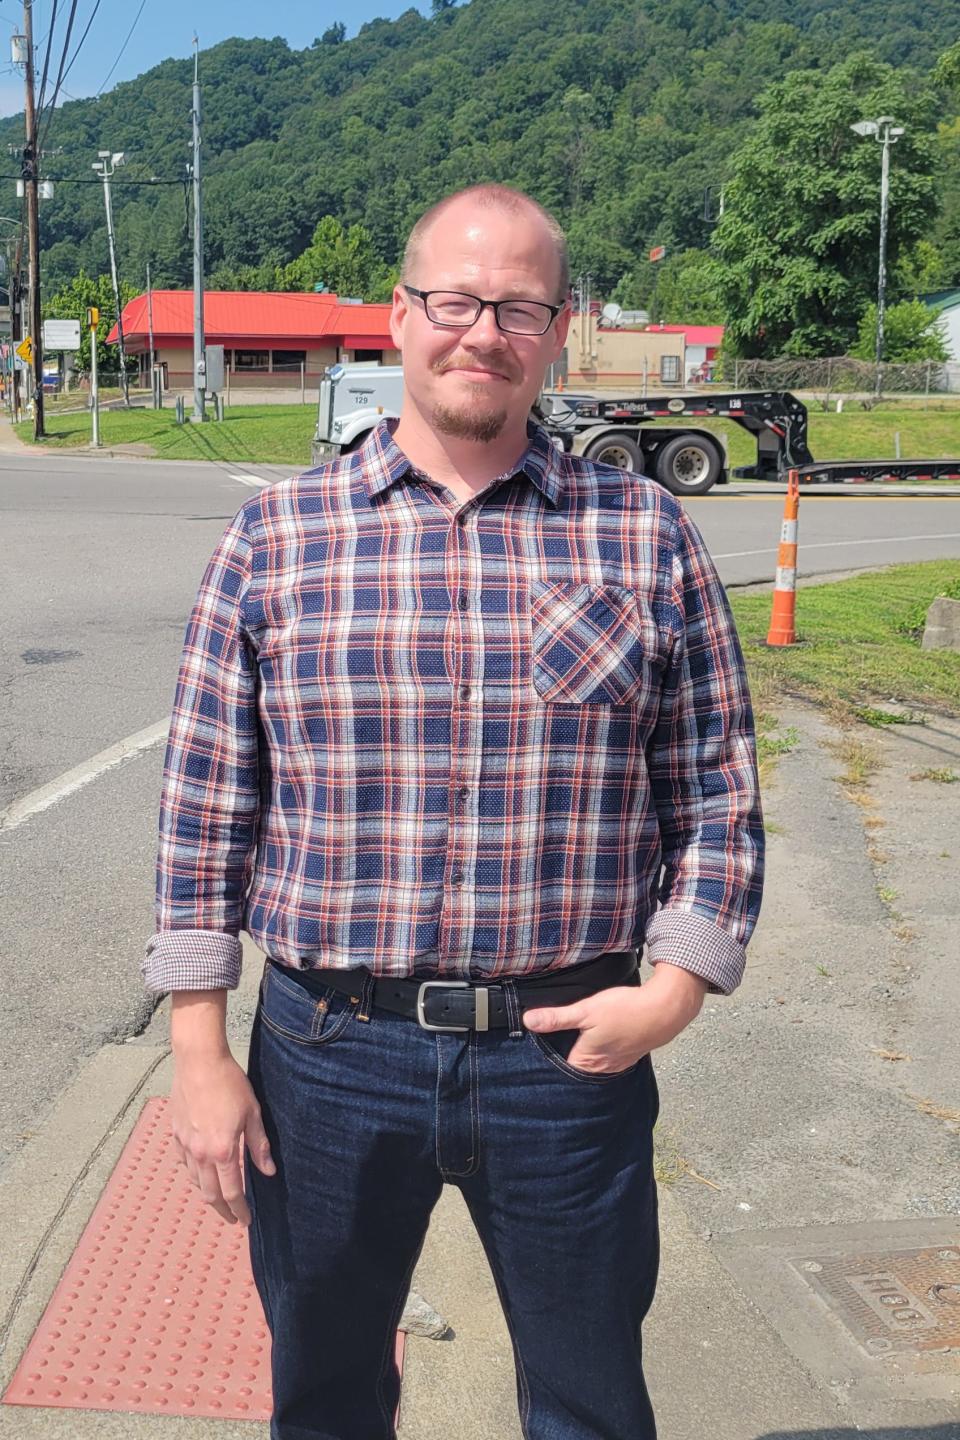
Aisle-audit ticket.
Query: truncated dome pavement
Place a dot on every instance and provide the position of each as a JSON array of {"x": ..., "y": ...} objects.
[{"x": 156, "y": 1310}]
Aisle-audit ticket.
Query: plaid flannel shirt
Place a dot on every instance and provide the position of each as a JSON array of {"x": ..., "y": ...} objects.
[{"x": 471, "y": 739}]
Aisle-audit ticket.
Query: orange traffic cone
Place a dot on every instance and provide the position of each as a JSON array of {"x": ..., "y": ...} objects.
[
  {"x": 783, "y": 619},
  {"x": 560, "y": 383}
]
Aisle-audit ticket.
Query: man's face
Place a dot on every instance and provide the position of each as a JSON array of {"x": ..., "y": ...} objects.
[{"x": 473, "y": 383}]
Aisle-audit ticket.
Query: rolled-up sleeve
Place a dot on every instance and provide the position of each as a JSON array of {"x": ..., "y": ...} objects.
[
  {"x": 702, "y": 764},
  {"x": 210, "y": 794}
]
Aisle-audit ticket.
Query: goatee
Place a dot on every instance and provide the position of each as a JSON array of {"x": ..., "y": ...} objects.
[{"x": 482, "y": 426}]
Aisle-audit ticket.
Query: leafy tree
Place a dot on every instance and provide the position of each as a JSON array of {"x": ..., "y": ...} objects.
[
  {"x": 911, "y": 331},
  {"x": 72, "y": 302},
  {"x": 333, "y": 35},
  {"x": 797, "y": 242},
  {"x": 687, "y": 289},
  {"x": 342, "y": 260}
]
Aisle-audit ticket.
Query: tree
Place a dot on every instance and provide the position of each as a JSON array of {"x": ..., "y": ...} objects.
[
  {"x": 72, "y": 302},
  {"x": 911, "y": 331},
  {"x": 344, "y": 261},
  {"x": 333, "y": 35},
  {"x": 797, "y": 242}
]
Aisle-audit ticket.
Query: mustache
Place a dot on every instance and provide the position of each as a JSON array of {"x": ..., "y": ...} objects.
[{"x": 475, "y": 363}]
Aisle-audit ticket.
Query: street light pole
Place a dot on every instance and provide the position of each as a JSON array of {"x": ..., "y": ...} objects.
[
  {"x": 105, "y": 166},
  {"x": 887, "y": 133}
]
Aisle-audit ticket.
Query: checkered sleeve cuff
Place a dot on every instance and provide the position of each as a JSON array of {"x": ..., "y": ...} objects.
[
  {"x": 692, "y": 942},
  {"x": 192, "y": 960}
]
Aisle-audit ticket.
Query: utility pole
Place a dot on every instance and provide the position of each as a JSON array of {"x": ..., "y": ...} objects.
[
  {"x": 153, "y": 386},
  {"x": 93, "y": 320},
  {"x": 199, "y": 350},
  {"x": 31, "y": 162},
  {"x": 105, "y": 166},
  {"x": 887, "y": 132}
]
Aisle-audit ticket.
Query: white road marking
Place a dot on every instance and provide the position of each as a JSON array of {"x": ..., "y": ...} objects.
[
  {"x": 839, "y": 544},
  {"x": 80, "y": 775},
  {"x": 253, "y": 481}
]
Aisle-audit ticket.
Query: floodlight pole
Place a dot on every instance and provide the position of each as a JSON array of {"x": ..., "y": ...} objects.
[{"x": 887, "y": 132}]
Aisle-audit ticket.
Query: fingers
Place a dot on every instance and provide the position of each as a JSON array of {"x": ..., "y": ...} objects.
[
  {"x": 559, "y": 1017},
  {"x": 258, "y": 1144}
]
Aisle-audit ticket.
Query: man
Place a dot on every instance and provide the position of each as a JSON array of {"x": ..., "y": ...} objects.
[{"x": 461, "y": 724}]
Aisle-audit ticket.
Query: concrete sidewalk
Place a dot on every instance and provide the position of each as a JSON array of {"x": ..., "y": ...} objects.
[{"x": 800, "y": 1142}]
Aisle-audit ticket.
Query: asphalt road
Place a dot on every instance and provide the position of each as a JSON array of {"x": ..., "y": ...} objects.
[{"x": 101, "y": 562}]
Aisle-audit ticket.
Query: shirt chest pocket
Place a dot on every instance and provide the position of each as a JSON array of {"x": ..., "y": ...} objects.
[{"x": 590, "y": 644}]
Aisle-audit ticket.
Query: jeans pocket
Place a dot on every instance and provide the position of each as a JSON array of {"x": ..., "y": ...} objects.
[
  {"x": 590, "y": 643},
  {"x": 306, "y": 1016},
  {"x": 557, "y": 1046}
]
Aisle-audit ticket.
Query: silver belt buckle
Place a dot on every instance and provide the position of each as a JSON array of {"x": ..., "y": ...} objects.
[{"x": 481, "y": 1003}]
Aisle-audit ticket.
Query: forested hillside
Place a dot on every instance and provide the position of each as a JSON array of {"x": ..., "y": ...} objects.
[{"x": 614, "y": 113}]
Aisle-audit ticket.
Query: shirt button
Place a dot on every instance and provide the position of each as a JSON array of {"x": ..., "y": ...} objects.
[
  {"x": 463, "y": 600},
  {"x": 465, "y": 692},
  {"x": 457, "y": 877},
  {"x": 464, "y": 792}
]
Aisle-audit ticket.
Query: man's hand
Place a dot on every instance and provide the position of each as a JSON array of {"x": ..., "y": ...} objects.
[
  {"x": 212, "y": 1104},
  {"x": 619, "y": 1025},
  {"x": 213, "y": 1108}
]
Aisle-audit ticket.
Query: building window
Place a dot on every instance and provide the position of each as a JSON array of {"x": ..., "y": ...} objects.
[
  {"x": 670, "y": 369},
  {"x": 251, "y": 359},
  {"x": 289, "y": 360},
  {"x": 368, "y": 355}
]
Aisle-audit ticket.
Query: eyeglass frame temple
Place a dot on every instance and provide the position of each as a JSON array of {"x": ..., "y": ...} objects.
[{"x": 493, "y": 304}]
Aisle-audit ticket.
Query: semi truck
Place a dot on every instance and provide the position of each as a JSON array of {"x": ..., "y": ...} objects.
[{"x": 632, "y": 432}]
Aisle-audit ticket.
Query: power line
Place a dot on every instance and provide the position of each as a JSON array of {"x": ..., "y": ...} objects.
[
  {"x": 63, "y": 56},
  {"x": 46, "y": 56},
  {"x": 122, "y": 48}
]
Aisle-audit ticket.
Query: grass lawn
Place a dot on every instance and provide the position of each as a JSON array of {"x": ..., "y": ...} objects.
[
  {"x": 270, "y": 434},
  {"x": 853, "y": 654},
  {"x": 281, "y": 434},
  {"x": 856, "y": 434}
]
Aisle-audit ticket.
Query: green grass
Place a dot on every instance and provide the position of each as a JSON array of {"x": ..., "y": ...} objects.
[
  {"x": 858, "y": 435},
  {"x": 268, "y": 434},
  {"x": 852, "y": 648},
  {"x": 281, "y": 434}
]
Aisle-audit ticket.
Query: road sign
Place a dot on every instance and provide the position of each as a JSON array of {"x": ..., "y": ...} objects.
[
  {"x": 61, "y": 334},
  {"x": 658, "y": 252},
  {"x": 25, "y": 349}
]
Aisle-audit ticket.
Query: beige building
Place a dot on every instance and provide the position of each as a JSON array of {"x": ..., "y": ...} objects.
[{"x": 631, "y": 361}]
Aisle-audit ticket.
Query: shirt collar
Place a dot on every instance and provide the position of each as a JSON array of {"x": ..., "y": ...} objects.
[{"x": 382, "y": 461}]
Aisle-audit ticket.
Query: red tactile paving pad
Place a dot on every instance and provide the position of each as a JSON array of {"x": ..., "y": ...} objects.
[{"x": 157, "y": 1310}]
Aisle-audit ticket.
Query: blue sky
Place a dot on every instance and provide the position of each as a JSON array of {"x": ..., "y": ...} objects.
[{"x": 166, "y": 28}]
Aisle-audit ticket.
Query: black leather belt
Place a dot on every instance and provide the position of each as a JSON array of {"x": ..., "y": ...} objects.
[{"x": 468, "y": 1004}]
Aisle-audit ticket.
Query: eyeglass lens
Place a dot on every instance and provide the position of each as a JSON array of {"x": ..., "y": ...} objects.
[{"x": 525, "y": 317}]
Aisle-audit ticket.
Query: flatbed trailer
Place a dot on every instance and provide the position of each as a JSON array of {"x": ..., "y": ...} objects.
[{"x": 690, "y": 461}]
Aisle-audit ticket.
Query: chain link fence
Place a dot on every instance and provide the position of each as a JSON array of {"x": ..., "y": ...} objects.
[{"x": 840, "y": 376}]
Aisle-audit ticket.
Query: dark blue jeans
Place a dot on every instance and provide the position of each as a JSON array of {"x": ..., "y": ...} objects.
[{"x": 368, "y": 1115}]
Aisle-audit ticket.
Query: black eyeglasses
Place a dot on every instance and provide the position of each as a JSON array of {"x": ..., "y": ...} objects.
[{"x": 459, "y": 311}]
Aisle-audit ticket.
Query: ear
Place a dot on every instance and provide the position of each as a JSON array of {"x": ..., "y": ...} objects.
[
  {"x": 398, "y": 315},
  {"x": 560, "y": 327}
]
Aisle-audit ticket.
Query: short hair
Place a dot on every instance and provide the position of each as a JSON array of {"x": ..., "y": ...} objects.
[{"x": 490, "y": 196}]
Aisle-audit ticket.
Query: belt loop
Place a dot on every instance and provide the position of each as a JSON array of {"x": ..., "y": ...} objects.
[
  {"x": 366, "y": 997},
  {"x": 513, "y": 1009}
]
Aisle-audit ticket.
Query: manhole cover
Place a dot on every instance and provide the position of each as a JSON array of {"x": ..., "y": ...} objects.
[{"x": 896, "y": 1301}]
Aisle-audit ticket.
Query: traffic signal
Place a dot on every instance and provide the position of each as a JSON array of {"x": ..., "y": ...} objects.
[{"x": 93, "y": 317}]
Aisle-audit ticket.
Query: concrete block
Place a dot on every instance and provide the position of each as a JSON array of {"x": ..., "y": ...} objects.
[{"x": 942, "y": 630}]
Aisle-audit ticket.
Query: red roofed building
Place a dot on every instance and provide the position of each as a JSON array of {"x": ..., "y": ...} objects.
[
  {"x": 267, "y": 337},
  {"x": 701, "y": 343}
]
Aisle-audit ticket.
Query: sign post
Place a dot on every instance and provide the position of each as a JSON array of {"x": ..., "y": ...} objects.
[{"x": 93, "y": 320}]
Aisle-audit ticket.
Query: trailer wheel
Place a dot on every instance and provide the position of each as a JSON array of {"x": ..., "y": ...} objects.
[
  {"x": 618, "y": 448},
  {"x": 689, "y": 466}
]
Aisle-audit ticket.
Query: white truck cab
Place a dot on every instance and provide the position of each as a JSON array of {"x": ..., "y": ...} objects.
[{"x": 353, "y": 400}]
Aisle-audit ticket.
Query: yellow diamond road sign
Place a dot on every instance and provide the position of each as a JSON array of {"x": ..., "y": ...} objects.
[{"x": 25, "y": 349}]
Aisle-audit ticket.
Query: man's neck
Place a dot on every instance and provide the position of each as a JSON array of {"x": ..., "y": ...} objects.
[{"x": 454, "y": 462}]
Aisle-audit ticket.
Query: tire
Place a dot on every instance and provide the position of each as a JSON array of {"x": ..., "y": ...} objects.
[
  {"x": 617, "y": 447},
  {"x": 689, "y": 465}
]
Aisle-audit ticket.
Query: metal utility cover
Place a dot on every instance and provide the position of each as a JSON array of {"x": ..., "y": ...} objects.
[{"x": 874, "y": 1308}]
